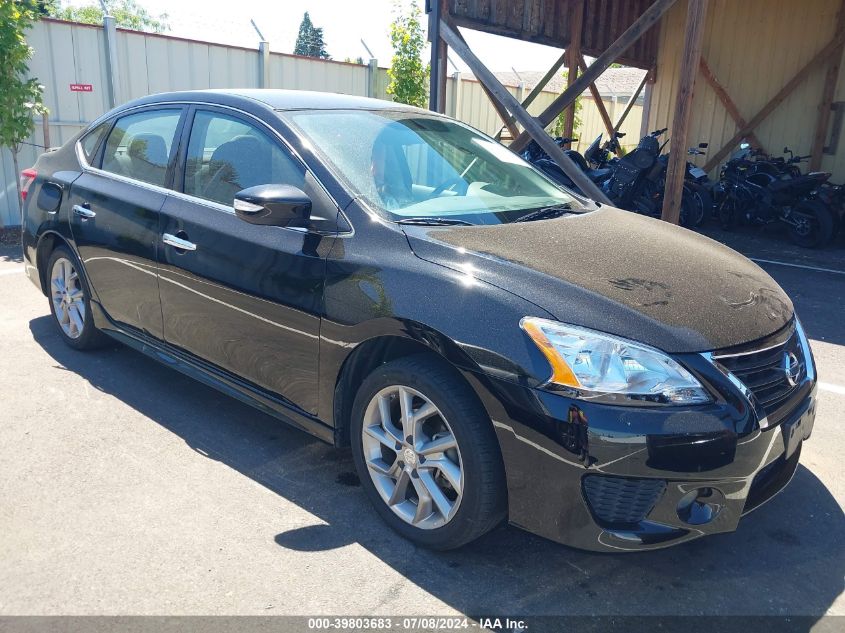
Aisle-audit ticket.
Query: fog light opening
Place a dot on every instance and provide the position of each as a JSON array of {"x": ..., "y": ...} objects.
[{"x": 700, "y": 506}]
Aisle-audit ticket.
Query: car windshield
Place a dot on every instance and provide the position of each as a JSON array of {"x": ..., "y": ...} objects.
[{"x": 416, "y": 168}]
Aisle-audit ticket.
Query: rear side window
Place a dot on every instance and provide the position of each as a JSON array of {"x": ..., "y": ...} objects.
[
  {"x": 226, "y": 154},
  {"x": 139, "y": 145},
  {"x": 91, "y": 141}
]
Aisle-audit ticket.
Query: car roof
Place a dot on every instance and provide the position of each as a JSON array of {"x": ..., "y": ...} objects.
[{"x": 279, "y": 99}]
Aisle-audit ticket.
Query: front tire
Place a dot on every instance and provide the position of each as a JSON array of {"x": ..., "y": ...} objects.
[
  {"x": 426, "y": 453},
  {"x": 70, "y": 301}
]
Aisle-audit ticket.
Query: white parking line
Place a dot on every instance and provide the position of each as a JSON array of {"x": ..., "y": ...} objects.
[
  {"x": 804, "y": 266},
  {"x": 826, "y": 386},
  {"x": 12, "y": 271}
]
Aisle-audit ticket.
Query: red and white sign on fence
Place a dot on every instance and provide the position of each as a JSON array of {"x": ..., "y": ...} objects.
[{"x": 81, "y": 88}]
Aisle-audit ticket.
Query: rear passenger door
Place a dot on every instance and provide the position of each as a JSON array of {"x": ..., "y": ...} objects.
[
  {"x": 243, "y": 297},
  {"x": 114, "y": 213}
]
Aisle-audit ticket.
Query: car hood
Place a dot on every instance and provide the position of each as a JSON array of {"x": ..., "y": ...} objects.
[{"x": 619, "y": 273}]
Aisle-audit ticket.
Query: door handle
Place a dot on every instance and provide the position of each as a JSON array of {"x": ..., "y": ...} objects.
[
  {"x": 83, "y": 211},
  {"x": 178, "y": 242}
]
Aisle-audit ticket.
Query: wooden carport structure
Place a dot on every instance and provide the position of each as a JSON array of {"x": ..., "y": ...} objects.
[{"x": 629, "y": 32}]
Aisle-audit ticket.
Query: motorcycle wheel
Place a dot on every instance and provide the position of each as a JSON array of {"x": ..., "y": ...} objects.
[
  {"x": 815, "y": 224},
  {"x": 696, "y": 205}
]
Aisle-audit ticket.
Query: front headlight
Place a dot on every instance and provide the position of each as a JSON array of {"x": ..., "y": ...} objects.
[{"x": 594, "y": 364}]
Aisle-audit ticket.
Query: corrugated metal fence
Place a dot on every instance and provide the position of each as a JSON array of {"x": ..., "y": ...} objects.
[{"x": 68, "y": 53}]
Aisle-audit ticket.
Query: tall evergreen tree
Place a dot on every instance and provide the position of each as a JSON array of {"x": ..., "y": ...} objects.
[{"x": 310, "y": 42}]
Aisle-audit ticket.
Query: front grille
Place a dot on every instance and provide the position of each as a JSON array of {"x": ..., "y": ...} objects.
[
  {"x": 764, "y": 372},
  {"x": 621, "y": 500}
]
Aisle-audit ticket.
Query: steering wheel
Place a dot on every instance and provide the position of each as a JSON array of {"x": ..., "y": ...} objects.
[{"x": 451, "y": 182}]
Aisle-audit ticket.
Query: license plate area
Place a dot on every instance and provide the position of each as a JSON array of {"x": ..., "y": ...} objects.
[{"x": 796, "y": 431}]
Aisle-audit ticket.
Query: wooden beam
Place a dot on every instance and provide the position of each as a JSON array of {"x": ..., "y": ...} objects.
[
  {"x": 818, "y": 60},
  {"x": 507, "y": 119},
  {"x": 726, "y": 100},
  {"x": 648, "y": 19},
  {"x": 605, "y": 117},
  {"x": 537, "y": 89},
  {"x": 573, "y": 55},
  {"x": 506, "y": 100},
  {"x": 677, "y": 166},
  {"x": 828, "y": 91},
  {"x": 630, "y": 104},
  {"x": 551, "y": 72}
]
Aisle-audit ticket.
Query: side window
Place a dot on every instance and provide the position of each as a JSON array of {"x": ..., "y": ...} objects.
[
  {"x": 226, "y": 154},
  {"x": 139, "y": 145},
  {"x": 91, "y": 141}
]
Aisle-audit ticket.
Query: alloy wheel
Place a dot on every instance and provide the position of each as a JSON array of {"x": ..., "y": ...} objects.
[
  {"x": 412, "y": 457},
  {"x": 68, "y": 297}
]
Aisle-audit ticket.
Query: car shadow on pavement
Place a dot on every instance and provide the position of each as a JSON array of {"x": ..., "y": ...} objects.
[{"x": 787, "y": 558}]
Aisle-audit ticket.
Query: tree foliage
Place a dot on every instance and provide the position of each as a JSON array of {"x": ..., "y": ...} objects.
[
  {"x": 560, "y": 121},
  {"x": 408, "y": 76},
  {"x": 310, "y": 41},
  {"x": 126, "y": 13},
  {"x": 20, "y": 96}
]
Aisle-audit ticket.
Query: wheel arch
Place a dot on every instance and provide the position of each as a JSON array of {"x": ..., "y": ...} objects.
[
  {"x": 47, "y": 243},
  {"x": 377, "y": 350}
]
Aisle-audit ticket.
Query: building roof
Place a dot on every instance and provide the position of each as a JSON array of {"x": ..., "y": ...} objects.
[{"x": 621, "y": 82}]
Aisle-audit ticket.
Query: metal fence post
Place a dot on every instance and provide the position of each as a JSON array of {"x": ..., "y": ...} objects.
[
  {"x": 264, "y": 64},
  {"x": 456, "y": 94},
  {"x": 112, "y": 67},
  {"x": 372, "y": 83}
]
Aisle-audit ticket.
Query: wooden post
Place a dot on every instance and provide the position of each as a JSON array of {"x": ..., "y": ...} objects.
[
  {"x": 726, "y": 100},
  {"x": 828, "y": 90},
  {"x": 605, "y": 117},
  {"x": 648, "y": 19},
  {"x": 677, "y": 167},
  {"x": 818, "y": 59},
  {"x": 45, "y": 129},
  {"x": 573, "y": 56},
  {"x": 502, "y": 98},
  {"x": 649, "y": 88}
]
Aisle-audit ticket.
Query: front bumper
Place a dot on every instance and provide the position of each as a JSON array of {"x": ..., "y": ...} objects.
[{"x": 624, "y": 478}]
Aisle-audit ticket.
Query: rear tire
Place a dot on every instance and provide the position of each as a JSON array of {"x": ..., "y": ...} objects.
[
  {"x": 437, "y": 479},
  {"x": 70, "y": 301},
  {"x": 816, "y": 224}
]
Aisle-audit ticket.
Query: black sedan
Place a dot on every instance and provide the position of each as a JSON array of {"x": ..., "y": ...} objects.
[{"x": 490, "y": 345}]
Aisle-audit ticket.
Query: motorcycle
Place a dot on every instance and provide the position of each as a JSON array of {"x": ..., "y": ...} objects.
[
  {"x": 535, "y": 155},
  {"x": 754, "y": 195}
]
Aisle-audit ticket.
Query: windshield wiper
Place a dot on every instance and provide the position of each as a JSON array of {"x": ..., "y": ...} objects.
[
  {"x": 434, "y": 221},
  {"x": 546, "y": 213}
]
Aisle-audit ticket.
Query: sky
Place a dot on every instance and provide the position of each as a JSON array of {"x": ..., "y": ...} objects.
[{"x": 344, "y": 23}]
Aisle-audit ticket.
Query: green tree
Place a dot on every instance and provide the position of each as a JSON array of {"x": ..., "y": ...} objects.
[
  {"x": 559, "y": 123},
  {"x": 309, "y": 41},
  {"x": 20, "y": 97},
  {"x": 126, "y": 13},
  {"x": 408, "y": 76}
]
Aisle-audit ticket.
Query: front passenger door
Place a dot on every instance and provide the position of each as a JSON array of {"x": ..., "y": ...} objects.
[{"x": 243, "y": 297}]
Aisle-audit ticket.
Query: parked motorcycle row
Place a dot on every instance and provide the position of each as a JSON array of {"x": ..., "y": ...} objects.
[{"x": 753, "y": 188}]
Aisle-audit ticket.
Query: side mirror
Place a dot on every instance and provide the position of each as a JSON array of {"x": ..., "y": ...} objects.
[{"x": 273, "y": 205}]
